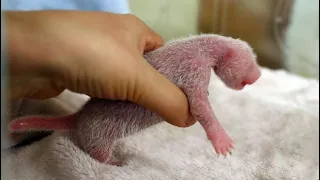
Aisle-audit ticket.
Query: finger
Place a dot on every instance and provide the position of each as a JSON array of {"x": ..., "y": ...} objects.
[
  {"x": 152, "y": 40},
  {"x": 163, "y": 97},
  {"x": 157, "y": 39},
  {"x": 191, "y": 121},
  {"x": 150, "y": 43},
  {"x": 148, "y": 39}
]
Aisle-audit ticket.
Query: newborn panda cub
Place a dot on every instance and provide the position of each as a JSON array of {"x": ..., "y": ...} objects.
[{"x": 187, "y": 63}]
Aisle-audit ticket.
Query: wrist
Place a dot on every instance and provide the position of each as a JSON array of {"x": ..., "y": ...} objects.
[
  {"x": 30, "y": 61},
  {"x": 28, "y": 54}
]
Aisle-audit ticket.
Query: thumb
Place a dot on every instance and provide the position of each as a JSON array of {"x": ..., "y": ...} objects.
[{"x": 163, "y": 97}]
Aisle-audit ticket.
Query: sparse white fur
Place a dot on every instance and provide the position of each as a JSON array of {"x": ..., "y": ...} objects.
[{"x": 273, "y": 141}]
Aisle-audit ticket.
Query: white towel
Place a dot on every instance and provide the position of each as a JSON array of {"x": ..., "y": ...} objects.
[{"x": 274, "y": 124}]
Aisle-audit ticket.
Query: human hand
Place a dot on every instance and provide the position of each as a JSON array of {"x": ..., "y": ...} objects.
[{"x": 95, "y": 53}]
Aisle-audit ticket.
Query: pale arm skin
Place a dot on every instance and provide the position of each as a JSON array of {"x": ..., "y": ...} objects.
[{"x": 95, "y": 53}]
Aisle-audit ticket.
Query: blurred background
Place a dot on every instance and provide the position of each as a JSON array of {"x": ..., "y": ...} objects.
[{"x": 284, "y": 33}]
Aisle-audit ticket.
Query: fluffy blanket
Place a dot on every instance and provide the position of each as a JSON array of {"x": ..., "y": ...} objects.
[{"x": 274, "y": 124}]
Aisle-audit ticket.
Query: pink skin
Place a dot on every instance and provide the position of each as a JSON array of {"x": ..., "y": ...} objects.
[{"x": 187, "y": 63}]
